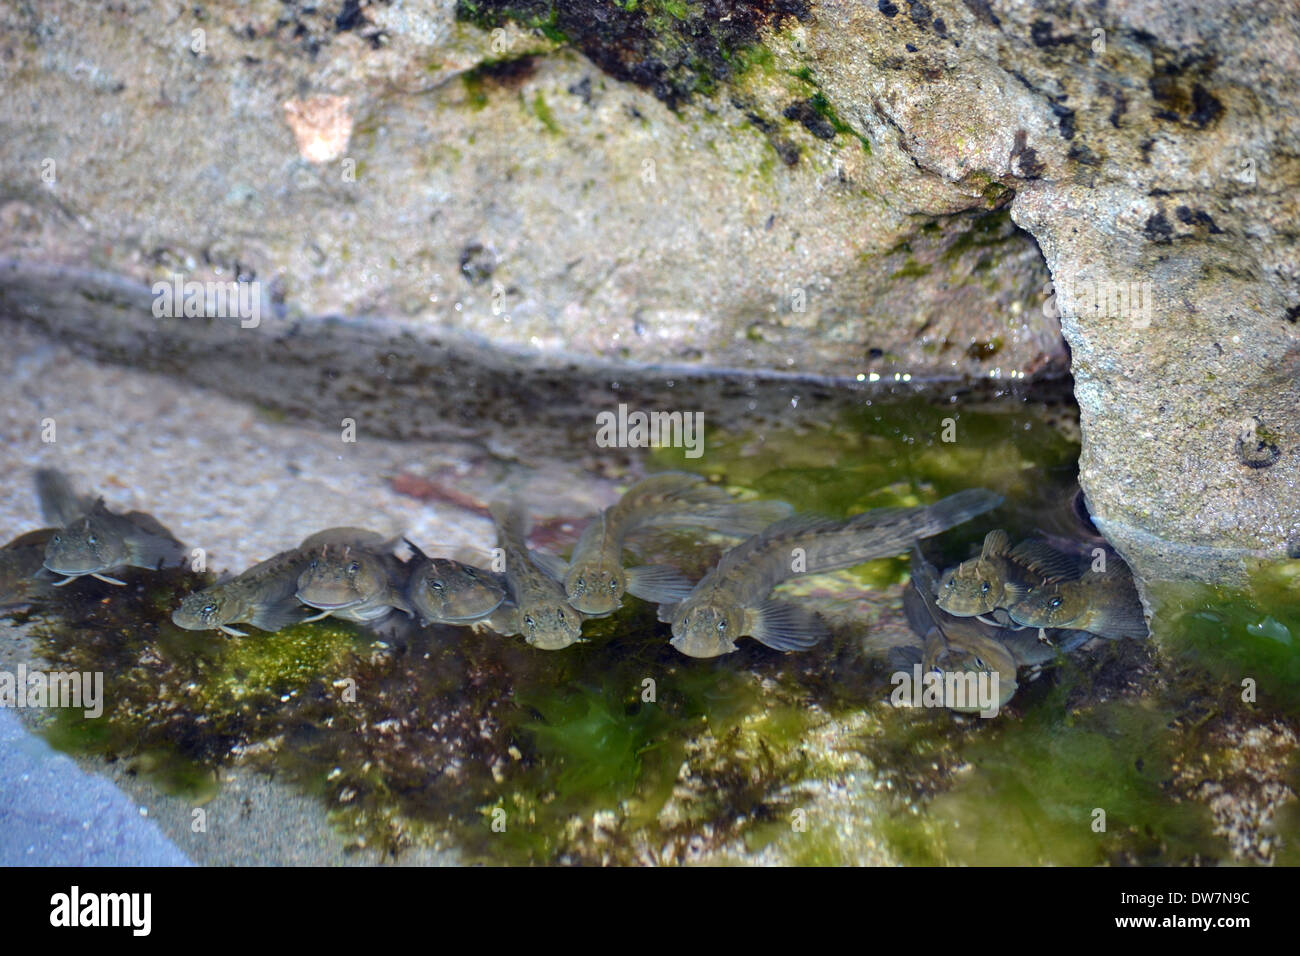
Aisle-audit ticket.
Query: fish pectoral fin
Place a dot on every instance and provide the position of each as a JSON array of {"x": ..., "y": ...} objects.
[
  {"x": 278, "y": 616},
  {"x": 66, "y": 581},
  {"x": 152, "y": 551},
  {"x": 665, "y": 615},
  {"x": 784, "y": 627},
  {"x": 658, "y": 584},
  {"x": 904, "y": 657},
  {"x": 316, "y": 617},
  {"x": 232, "y": 631},
  {"x": 555, "y": 567},
  {"x": 108, "y": 580}
]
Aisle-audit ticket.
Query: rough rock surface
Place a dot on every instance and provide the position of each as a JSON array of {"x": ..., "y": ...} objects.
[{"x": 827, "y": 200}]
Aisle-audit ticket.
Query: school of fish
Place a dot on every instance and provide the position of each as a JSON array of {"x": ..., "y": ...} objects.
[{"x": 1006, "y": 608}]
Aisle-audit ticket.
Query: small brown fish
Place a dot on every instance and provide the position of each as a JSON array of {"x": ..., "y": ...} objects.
[
  {"x": 265, "y": 595},
  {"x": 23, "y": 577},
  {"x": 595, "y": 579},
  {"x": 449, "y": 592},
  {"x": 956, "y": 645},
  {"x": 538, "y": 607},
  {"x": 1001, "y": 575},
  {"x": 354, "y": 583},
  {"x": 1104, "y": 603},
  {"x": 733, "y": 599},
  {"x": 97, "y": 541}
]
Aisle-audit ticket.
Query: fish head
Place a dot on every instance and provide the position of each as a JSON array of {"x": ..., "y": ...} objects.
[
  {"x": 85, "y": 547},
  {"x": 550, "y": 627},
  {"x": 200, "y": 612},
  {"x": 446, "y": 590},
  {"x": 971, "y": 588},
  {"x": 972, "y": 656},
  {"x": 1048, "y": 606},
  {"x": 706, "y": 630},
  {"x": 341, "y": 577},
  {"x": 596, "y": 588}
]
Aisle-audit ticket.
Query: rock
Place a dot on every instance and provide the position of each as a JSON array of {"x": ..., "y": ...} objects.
[{"x": 815, "y": 189}]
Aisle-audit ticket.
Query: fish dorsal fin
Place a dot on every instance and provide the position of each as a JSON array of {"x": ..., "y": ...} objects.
[
  {"x": 996, "y": 544},
  {"x": 552, "y": 565},
  {"x": 415, "y": 549},
  {"x": 358, "y": 536},
  {"x": 1046, "y": 561}
]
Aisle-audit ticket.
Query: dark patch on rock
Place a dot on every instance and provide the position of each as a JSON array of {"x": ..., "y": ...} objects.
[
  {"x": 940, "y": 27},
  {"x": 582, "y": 90},
  {"x": 1064, "y": 120},
  {"x": 673, "y": 52},
  {"x": 1158, "y": 228},
  {"x": 1293, "y": 550},
  {"x": 910, "y": 48},
  {"x": 1025, "y": 157},
  {"x": 983, "y": 10},
  {"x": 787, "y": 150},
  {"x": 1205, "y": 107},
  {"x": 1120, "y": 107},
  {"x": 349, "y": 17},
  {"x": 477, "y": 263},
  {"x": 1144, "y": 148},
  {"x": 1198, "y": 217},
  {"x": 918, "y": 13},
  {"x": 508, "y": 74},
  {"x": 887, "y": 8},
  {"x": 1082, "y": 154},
  {"x": 806, "y": 113},
  {"x": 1293, "y": 314},
  {"x": 1040, "y": 31}
]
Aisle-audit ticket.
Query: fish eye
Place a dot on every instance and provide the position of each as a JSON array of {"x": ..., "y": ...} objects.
[
  {"x": 950, "y": 583},
  {"x": 581, "y": 584},
  {"x": 613, "y": 585},
  {"x": 1056, "y": 602},
  {"x": 722, "y": 626},
  {"x": 56, "y": 539},
  {"x": 354, "y": 567},
  {"x": 980, "y": 664},
  {"x": 313, "y": 564},
  {"x": 528, "y": 621},
  {"x": 435, "y": 584},
  {"x": 469, "y": 573},
  {"x": 92, "y": 540},
  {"x": 209, "y": 609},
  {"x": 986, "y": 587}
]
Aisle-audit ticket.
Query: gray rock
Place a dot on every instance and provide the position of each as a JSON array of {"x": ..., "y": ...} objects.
[{"x": 520, "y": 216}]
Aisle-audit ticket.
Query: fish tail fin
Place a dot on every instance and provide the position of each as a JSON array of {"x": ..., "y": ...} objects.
[
  {"x": 59, "y": 502},
  {"x": 785, "y": 627},
  {"x": 675, "y": 499},
  {"x": 1124, "y": 620}
]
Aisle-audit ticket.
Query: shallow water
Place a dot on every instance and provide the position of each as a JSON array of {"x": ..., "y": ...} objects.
[{"x": 622, "y": 750}]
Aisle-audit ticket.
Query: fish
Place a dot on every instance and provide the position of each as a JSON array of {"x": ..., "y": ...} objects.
[
  {"x": 265, "y": 595},
  {"x": 443, "y": 591},
  {"x": 94, "y": 540},
  {"x": 732, "y": 600},
  {"x": 1001, "y": 575},
  {"x": 23, "y": 577},
  {"x": 354, "y": 582},
  {"x": 1104, "y": 603},
  {"x": 956, "y": 644},
  {"x": 538, "y": 608},
  {"x": 595, "y": 579}
]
